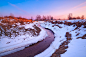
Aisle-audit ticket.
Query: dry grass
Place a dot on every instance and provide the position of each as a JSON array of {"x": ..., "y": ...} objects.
[{"x": 7, "y": 24}]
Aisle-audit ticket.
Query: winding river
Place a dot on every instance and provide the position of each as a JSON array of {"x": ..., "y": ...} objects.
[{"x": 35, "y": 49}]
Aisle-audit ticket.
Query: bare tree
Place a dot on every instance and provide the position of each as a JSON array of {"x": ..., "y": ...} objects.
[
  {"x": 51, "y": 18},
  {"x": 44, "y": 17},
  {"x": 38, "y": 17},
  {"x": 82, "y": 17},
  {"x": 48, "y": 17},
  {"x": 70, "y": 16}
]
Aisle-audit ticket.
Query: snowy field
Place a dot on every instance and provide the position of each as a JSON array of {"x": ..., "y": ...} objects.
[
  {"x": 71, "y": 31},
  {"x": 21, "y": 37},
  {"x": 77, "y": 43}
]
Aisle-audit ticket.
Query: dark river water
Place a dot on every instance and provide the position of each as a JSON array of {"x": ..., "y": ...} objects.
[{"x": 35, "y": 49}]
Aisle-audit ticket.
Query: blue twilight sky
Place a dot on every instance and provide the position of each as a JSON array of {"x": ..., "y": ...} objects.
[{"x": 55, "y": 8}]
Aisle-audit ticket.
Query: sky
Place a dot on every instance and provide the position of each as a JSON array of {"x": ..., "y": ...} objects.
[{"x": 32, "y": 8}]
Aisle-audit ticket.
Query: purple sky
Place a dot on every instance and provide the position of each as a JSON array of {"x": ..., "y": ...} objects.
[{"x": 55, "y": 8}]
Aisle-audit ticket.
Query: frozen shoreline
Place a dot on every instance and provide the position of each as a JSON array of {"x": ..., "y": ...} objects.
[
  {"x": 60, "y": 37},
  {"x": 22, "y": 45}
]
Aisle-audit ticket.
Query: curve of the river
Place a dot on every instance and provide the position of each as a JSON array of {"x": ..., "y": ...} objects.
[{"x": 35, "y": 49}]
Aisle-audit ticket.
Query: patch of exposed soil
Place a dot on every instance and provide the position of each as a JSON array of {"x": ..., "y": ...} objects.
[
  {"x": 83, "y": 37},
  {"x": 63, "y": 46},
  {"x": 57, "y": 26}
]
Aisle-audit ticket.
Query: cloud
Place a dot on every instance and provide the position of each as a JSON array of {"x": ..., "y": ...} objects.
[
  {"x": 18, "y": 8},
  {"x": 79, "y": 5},
  {"x": 76, "y": 8},
  {"x": 83, "y": 7}
]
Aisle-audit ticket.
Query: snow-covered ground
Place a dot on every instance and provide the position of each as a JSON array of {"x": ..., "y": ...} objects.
[
  {"x": 76, "y": 47},
  {"x": 24, "y": 38}
]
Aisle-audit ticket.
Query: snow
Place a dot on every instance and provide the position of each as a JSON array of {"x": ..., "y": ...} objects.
[
  {"x": 12, "y": 51},
  {"x": 26, "y": 25},
  {"x": 18, "y": 42},
  {"x": 77, "y": 47},
  {"x": 77, "y": 20}
]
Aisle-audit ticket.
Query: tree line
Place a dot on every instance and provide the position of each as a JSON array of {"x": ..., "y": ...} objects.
[
  {"x": 78, "y": 17},
  {"x": 43, "y": 18}
]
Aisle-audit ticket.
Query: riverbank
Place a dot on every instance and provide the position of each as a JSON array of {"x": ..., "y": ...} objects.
[{"x": 35, "y": 49}]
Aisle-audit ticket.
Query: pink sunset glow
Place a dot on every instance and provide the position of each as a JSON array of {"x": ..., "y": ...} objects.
[{"x": 57, "y": 9}]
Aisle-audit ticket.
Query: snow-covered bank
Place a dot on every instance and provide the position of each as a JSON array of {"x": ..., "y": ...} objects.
[
  {"x": 9, "y": 45},
  {"x": 77, "y": 48},
  {"x": 75, "y": 28},
  {"x": 60, "y": 32}
]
